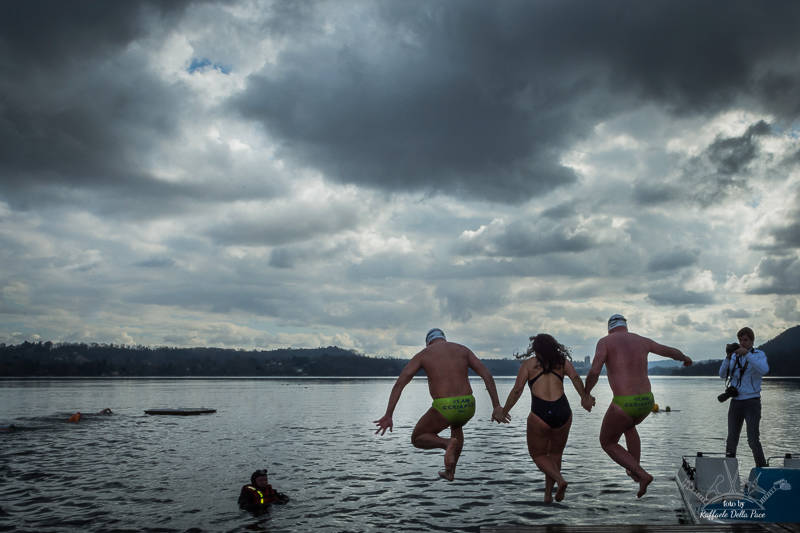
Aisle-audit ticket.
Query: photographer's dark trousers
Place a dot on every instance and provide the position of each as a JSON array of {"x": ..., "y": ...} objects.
[{"x": 748, "y": 411}]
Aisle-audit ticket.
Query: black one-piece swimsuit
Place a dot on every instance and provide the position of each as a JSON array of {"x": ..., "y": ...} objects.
[{"x": 556, "y": 413}]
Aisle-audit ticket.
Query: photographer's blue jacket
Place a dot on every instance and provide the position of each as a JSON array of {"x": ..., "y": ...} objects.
[{"x": 749, "y": 383}]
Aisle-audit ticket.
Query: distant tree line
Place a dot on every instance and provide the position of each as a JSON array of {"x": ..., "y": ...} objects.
[
  {"x": 111, "y": 360},
  {"x": 31, "y": 359}
]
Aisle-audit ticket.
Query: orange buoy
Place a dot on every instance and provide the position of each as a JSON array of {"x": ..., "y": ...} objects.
[{"x": 76, "y": 417}]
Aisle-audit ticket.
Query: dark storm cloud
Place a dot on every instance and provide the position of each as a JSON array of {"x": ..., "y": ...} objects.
[
  {"x": 673, "y": 260},
  {"x": 481, "y": 98},
  {"x": 732, "y": 155},
  {"x": 75, "y": 110}
]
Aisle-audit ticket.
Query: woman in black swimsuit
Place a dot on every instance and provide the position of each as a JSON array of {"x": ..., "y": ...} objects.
[{"x": 550, "y": 417}]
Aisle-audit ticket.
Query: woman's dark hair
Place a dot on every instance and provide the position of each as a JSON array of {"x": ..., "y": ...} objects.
[{"x": 550, "y": 353}]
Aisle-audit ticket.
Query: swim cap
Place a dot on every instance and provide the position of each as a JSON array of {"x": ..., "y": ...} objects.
[
  {"x": 616, "y": 321},
  {"x": 435, "y": 333}
]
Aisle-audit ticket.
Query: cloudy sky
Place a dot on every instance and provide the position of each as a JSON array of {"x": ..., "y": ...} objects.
[{"x": 352, "y": 173}]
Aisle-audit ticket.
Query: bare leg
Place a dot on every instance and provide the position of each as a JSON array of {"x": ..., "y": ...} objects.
[
  {"x": 540, "y": 437},
  {"x": 548, "y": 489},
  {"x": 615, "y": 423},
  {"x": 634, "y": 445},
  {"x": 426, "y": 436},
  {"x": 452, "y": 453},
  {"x": 557, "y": 445}
]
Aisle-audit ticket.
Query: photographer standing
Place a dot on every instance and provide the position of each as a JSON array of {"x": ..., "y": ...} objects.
[{"x": 742, "y": 369}]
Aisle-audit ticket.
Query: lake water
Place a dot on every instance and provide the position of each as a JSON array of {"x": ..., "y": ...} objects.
[{"x": 132, "y": 471}]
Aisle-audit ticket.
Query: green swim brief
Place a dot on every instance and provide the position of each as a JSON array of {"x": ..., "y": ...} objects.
[
  {"x": 636, "y": 405},
  {"x": 456, "y": 409}
]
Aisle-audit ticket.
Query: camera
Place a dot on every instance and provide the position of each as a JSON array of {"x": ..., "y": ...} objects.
[
  {"x": 730, "y": 348},
  {"x": 730, "y": 392}
]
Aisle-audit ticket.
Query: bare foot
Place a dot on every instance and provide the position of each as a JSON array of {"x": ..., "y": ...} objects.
[
  {"x": 548, "y": 495},
  {"x": 562, "y": 489},
  {"x": 445, "y": 474},
  {"x": 644, "y": 480}
]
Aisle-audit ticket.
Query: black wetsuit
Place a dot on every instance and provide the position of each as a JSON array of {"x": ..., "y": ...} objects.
[{"x": 556, "y": 413}]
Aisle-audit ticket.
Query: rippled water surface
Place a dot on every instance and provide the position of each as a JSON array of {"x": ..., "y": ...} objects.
[{"x": 132, "y": 471}]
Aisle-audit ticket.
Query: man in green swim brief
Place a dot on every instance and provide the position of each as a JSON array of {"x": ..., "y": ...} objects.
[
  {"x": 636, "y": 405},
  {"x": 457, "y": 410},
  {"x": 447, "y": 366},
  {"x": 625, "y": 356}
]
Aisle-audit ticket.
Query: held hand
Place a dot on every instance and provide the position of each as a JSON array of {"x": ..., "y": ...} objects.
[
  {"x": 588, "y": 402},
  {"x": 384, "y": 423},
  {"x": 687, "y": 361},
  {"x": 500, "y": 416},
  {"x": 741, "y": 351}
]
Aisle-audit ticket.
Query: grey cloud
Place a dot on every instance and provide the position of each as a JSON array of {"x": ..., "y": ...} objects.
[
  {"x": 288, "y": 224},
  {"x": 156, "y": 262},
  {"x": 777, "y": 275},
  {"x": 788, "y": 236},
  {"x": 460, "y": 299},
  {"x": 732, "y": 155},
  {"x": 560, "y": 212},
  {"x": 522, "y": 239},
  {"x": 784, "y": 237},
  {"x": 677, "y": 296},
  {"x": 788, "y": 309},
  {"x": 477, "y": 98},
  {"x": 293, "y": 255},
  {"x": 682, "y": 320},
  {"x": 673, "y": 260},
  {"x": 717, "y": 173},
  {"x": 48, "y": 34},
  {"x": 80, "y": 110},
  {"x": 737, "y": 313},
  {"x": 655, "y": 193}
]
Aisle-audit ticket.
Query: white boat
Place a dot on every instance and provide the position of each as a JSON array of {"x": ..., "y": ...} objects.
[{"x": 712, "y": 492}]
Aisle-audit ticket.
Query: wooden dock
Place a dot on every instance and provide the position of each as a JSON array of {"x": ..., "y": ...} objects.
[{"x": 648, "y": 528}]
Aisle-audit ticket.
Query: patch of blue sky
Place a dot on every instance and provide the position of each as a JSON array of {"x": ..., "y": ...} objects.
[{"x": 203, "y": 64}]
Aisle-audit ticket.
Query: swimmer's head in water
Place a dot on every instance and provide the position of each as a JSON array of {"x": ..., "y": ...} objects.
[
  {"x": 433, "y": 334},
  {"x": 616, "y": 321},
  {"x": 257, "y": 474}
]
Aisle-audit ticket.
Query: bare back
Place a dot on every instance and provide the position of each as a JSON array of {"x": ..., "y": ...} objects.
[
  {"x": 547, "y": 386},
  {"x": 447, "y": 367},
  {"x": 625, "y": 357}
]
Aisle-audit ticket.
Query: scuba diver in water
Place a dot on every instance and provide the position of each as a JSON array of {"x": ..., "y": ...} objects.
[{"x": 259, "y": 494}]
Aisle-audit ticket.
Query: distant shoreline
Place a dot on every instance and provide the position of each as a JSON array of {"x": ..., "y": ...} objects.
[{"x": 81, "y": 360}]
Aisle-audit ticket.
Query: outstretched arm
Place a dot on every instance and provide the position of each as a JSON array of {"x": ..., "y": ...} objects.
[
  {"x": 578, "y": 384},
  {"x": 406, "y": 375},
  {"x": 669, "y": 351},
  {"x": 600, "y": 354},
  {"x": 516, "y": 391},
  {"x": 480, "y": 369}
]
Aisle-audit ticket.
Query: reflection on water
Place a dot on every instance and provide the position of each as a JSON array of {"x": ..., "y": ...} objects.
[{"x": 131, "y": 471}]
